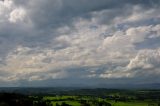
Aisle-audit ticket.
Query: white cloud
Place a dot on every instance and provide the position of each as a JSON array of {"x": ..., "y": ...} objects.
[
  {"x": 145, "y": 59},
  {"x": 17, "y": 15},
  {"x": 86, "y": 48},
  {"x": 5, "y": 7},
  {"x": 43, "y": 40}
]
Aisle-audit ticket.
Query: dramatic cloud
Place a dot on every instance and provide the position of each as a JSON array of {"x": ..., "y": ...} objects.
[{"x": 79, "y": 42}]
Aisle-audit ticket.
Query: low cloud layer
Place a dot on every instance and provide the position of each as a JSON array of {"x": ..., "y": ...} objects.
[{"x": 79, "y": 42}]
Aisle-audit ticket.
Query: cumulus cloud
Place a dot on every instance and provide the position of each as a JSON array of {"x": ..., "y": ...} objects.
[
  {"x": 145, "y": 59},
  {"x": 17, "y": 15},
  {"x": 48, "y": 40}
]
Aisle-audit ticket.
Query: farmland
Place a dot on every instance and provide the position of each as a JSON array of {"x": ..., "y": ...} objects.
[{"x": 80, "y": 97}]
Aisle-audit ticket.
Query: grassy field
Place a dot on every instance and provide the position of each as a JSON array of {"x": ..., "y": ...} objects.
[
  {"x": 72, "y": 103},
  {"x": 57, "y": 97},
  {"x": 76, "y": 101},
  {"x": 62, "y": 99},
  {"x": 85, "y": 97},
  {"x": 129, "y": 103},
  {"x": 102, "y": 97}
]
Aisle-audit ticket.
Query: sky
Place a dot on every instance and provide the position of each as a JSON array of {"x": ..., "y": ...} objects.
[{"x": 79, "y": 42}]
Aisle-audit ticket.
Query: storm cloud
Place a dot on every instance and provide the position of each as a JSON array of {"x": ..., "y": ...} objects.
[{"x": 93, "y": 42}]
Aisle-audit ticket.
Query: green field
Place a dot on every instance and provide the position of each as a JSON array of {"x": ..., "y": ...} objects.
[
  {"x": 84, "y": 97},
  {"x": 72, "y": 103},
  {"x": 75, "y": 101},
  {"x": 57, "y": 97},
  {"x": 129, "y": 104}
]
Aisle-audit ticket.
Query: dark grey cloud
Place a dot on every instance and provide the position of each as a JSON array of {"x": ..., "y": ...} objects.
[
  {"x": 56, "y": 13},
  {"x": 152, "y": 43},
  {"x": 78, "y": 41}
]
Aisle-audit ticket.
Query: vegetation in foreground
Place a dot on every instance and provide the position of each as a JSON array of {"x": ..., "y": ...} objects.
[{"x": 85, "y": 97}]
